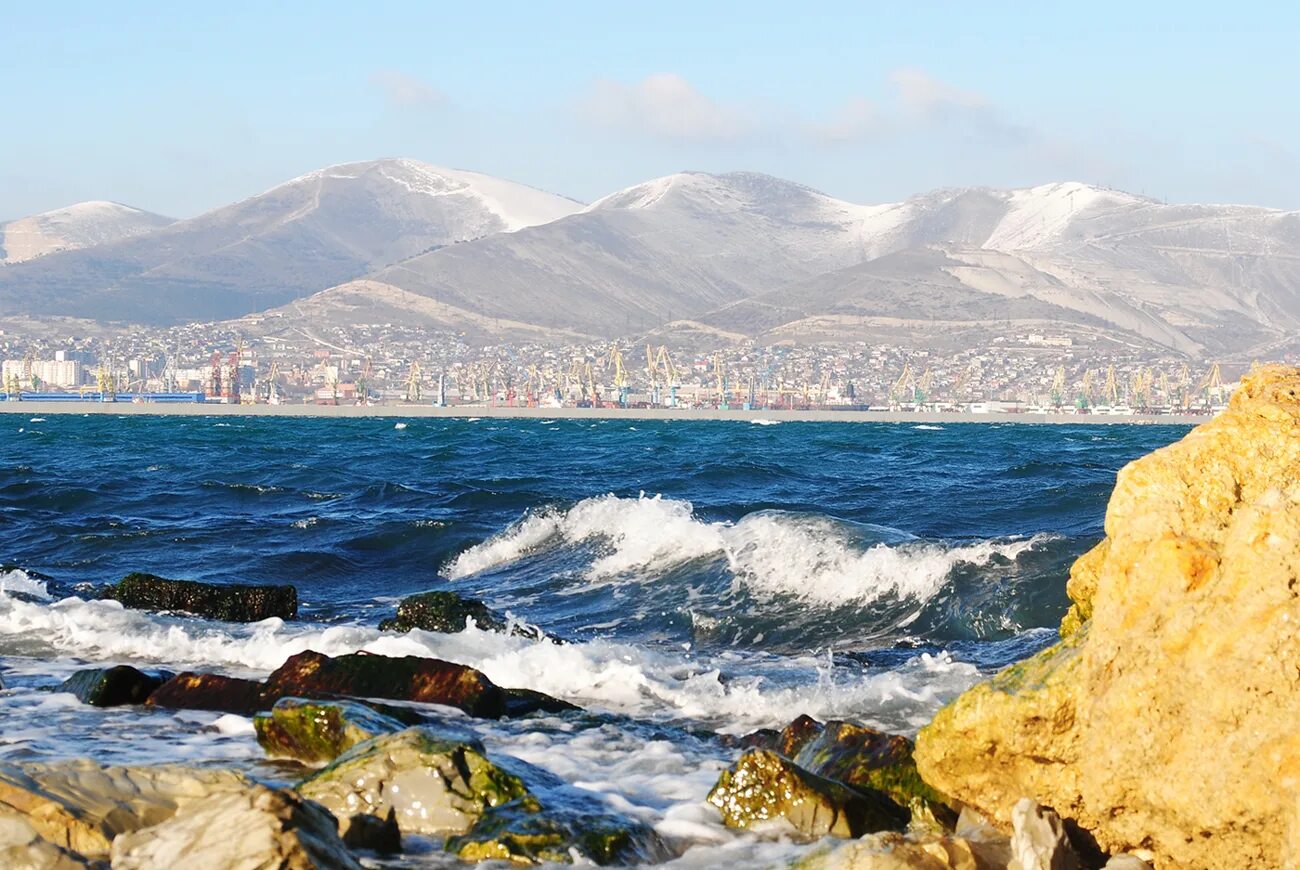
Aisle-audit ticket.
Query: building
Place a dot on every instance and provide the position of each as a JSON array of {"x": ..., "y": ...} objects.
[{"x": 39, "y": 374}]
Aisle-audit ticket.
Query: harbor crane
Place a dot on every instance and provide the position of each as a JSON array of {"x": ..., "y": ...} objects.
[{"x": 414, "y": 389}]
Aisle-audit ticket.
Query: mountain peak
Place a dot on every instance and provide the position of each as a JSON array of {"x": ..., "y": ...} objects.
[{"x": 79, "y": 225}]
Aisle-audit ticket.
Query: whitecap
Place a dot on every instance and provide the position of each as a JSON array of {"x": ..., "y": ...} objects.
[
  {"x": 399, "y": 425},
  {"x": 761, "y": 421}
]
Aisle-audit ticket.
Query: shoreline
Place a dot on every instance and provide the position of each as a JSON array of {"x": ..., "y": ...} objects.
[{"x": 205, "y": 409}]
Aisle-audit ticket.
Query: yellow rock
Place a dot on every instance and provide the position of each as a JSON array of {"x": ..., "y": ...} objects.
[{"x": 1166, "y": 720}]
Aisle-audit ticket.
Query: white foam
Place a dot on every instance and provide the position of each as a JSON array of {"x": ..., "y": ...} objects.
[
  {"x": 762, "y": 422},
  {"x": 816, "y": 559},
  {"x": 18, "y": 580},
  {"x": 399, "y": 425}
]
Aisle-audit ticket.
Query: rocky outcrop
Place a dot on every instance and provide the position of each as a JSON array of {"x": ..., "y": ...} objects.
[
  {"x": 229, "y": 602},
  {"x": 894, "y": 851},
  {"x": 317, "y": 732},
  {"x": 446, "y": 612},
  {"x": 524, "y": 833},
  {"x": 253, "y": 827},
  {"x": 115, "y": 686},
  {"x": 1164, "y": 721},
  {"x": 213, "y": 692},
  {"x": 432, "y": 785},
  {"x": 764, "y": 788}
]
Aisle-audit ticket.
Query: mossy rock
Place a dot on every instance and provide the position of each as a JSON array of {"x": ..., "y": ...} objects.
[
  {"x": 228, "y": 602},
  {"x": 433, "y": 785},
  {"x": 763, "y": 787},
  {"x": 317, "y": 732},
  {"x": 445, "y": 612},
  {"x": 115, "y": 686},
  {"x": 525, "y": 834}
]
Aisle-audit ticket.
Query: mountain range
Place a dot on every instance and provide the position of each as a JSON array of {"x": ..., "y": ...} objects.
[{"x": 735, "y": 255}]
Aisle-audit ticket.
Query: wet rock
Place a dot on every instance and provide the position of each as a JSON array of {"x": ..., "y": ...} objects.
[
  {"x": 79, "y": 807},
  {"x": 446, "y": 612},
  {"x": 763, "y": 787},
  {"x": 524, "y": 833},
  {"x": 115, "y": 686},
  {"x": 214, "y": 692},
  {"x": 316, "y": 732},
  {"x": 893, "y": 851},
  {"x": 228, "y": 602},
  {"x": 433, "y": 785},
  {"x": 373, "y": 834},
  {"x": 254, "y": 827},
  {"x": 1165, "y": 718},
  {"x": 1038, "y": 839},
  {"x": 410, "y": 678}
]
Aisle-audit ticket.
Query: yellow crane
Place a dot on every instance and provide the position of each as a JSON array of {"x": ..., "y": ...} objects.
[
  {"x": 1111, "y": 390},
  {"x": 1212, "y": 386},
  {"x": 414, "y": 389},
  {"x": 720, "y": 372},
  {"x": 906, "y": 382}
]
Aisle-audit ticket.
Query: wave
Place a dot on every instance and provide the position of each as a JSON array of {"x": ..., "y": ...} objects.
[
  {"x": 18, "y": 580},
  {"x": 773, "y": 554},
  {"x": 734, "y": 691}
]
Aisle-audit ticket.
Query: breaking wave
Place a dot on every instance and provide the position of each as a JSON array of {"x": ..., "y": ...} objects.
[{"x": 772, "y": 554}]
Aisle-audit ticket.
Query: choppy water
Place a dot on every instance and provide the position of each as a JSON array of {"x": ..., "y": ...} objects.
[{"x": 713, "y": 576}]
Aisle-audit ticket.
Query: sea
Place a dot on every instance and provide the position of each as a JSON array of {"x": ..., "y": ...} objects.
[{"x": 709, "y": 578}]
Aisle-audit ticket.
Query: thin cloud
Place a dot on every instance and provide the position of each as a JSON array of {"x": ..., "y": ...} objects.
[
  {"x": 933, "y": 101},
  {"x": 664, "y": 106},
  {"x": 857, "y": 119},
  {"x": 407, "y": 91}
]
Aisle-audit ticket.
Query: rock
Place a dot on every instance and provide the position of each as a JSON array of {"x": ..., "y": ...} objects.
[
  {"x": 763, "y": 786},
  {"x": 317, "y": 732},
  {"x": 526, "y": 834},
  {"x": 22, "y": 848},
  {"x": 863, "y": 757},
  {"x": 214, "y": 692},
  {"x": 373, "y": 834},
  {"x": 894, "y": 851},
  {"x": 410, "y": 678},
  {"x": 80, "y": 807},
  {"x": 446, "y": 612},
  {"x": 252, "y": 828},
  {"x": 1038, "y": 840},
  {"x": 1125, "y": 861},
  {"x": 434, "y": 785},
  {"x": 115, "y": 686},
  {"x": 229, "y": 602},
  {"x": 1165, "y": 718}
]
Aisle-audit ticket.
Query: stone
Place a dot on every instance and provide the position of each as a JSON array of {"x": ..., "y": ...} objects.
[
  {"x": 1038, "y": 839},
  {"x": 445, "y": 612},
  {"x": 213, "y": 692},
  {"x": 79, "y": 807},
  {"x": 257, "y": 827},
  {"x": 317, "y": 732},
  {"x": 433, "y": 785},
  {"x": 524, "y": 833},
  {"x": 1163, "y": 723},
  {"x": 894, "y": 851},
  {"x": 115, "y": 686},
  {"x": 373, "y": 834},
  {"x": 763, "y": 787},
  {"x": 409, "y": 678},
  {"x": 228, "y": 602},
  {"x": 22, "y": 848}
]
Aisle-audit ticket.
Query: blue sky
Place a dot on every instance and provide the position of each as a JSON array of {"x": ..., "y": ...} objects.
[{"x": 181, "y": 107}]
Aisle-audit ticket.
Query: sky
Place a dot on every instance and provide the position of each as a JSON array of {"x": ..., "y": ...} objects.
[{"x": 182, "y": 107}]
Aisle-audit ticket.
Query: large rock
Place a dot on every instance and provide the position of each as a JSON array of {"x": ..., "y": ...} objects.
[
  {"x": 214, "y": 692},
  {"x": 22, "y": 848},
  {"x": 763, "y": 787},
  {"x": 229, "y": 602},
  {"x": 524, "y": 833},
  {"x": 258, "y": 827},
  {"x": 409, "y": 678},
  {"x": 1165, "y": 719},
  {"x": 79, "y": 807},
  {"x": 893, "y": 851},
  {"x": 316, "y": 732},
  {"x": 442, "y": 611},
  {"x": 115, "y": 686},
  {"x": 433, "y": 785}
]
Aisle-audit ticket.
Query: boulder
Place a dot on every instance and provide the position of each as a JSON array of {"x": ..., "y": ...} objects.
[
  {"x": 229, "y": 602},
  {"x": 445, "y": 612},
  {"x": 79, "y": 807},
  {"x": 22, "y": 848},
  {"x": 523, "y": 833},
  {"x": 1038, "y": 839},
  {"x": 763, "y": 787},
  {"x": 431, "y": 784},
  {"x": 115, "y": 686},
  {"x": 253, "y": 827},
  {"x": 1164, "y": 721},
  {"x": 894, "y": 851},
  {"x": 317, "y": 732},
  {"x": 213, "y": 692},
  {"x": 409, "y": 678}
]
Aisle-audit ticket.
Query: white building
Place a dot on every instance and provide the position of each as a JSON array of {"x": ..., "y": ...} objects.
[{"x": 46, "y": 373}]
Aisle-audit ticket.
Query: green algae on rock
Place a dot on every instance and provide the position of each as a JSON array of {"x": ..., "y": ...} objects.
[
  {"x": 443, "y": 611},
  {"x": 316, "y": 732},
  {"x": 115, "y": 686},
  {"x": 228, "y": 602},
  {"x": 763, "y": 786},
  {"x": 528, "y": 834},
  {"x": 433, "y": 785}
]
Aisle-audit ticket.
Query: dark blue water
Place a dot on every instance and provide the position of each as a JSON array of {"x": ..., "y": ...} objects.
[{"x": 354, "y": 510}]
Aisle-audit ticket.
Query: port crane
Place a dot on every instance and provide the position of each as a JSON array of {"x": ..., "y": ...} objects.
[{"x": 413, "y": 387}]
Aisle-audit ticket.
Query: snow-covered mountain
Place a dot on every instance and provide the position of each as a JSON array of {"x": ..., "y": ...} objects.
[
  {"x": 76, "y": 226},
  {"x": 315, "y": 231}
]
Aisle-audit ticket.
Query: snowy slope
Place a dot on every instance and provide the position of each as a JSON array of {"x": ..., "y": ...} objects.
[{"x": 76, "y": 226}]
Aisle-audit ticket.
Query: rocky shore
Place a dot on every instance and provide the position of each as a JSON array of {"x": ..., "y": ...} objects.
[{"x": 1158, "y": 732}]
